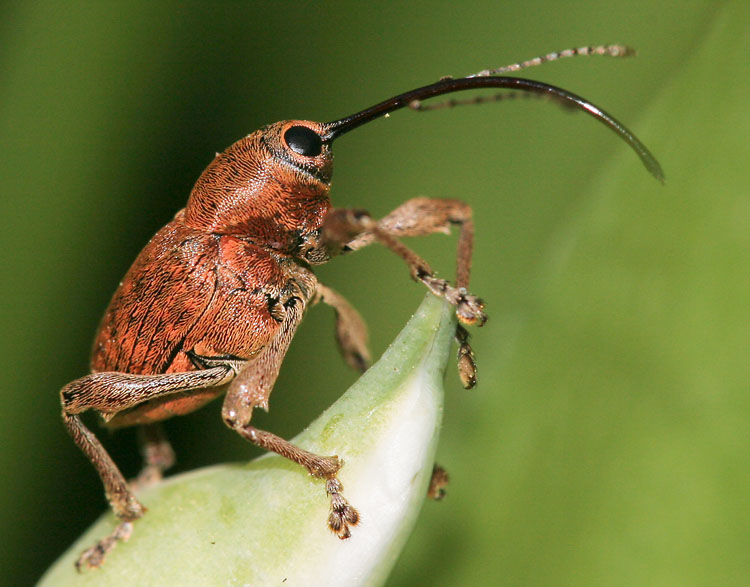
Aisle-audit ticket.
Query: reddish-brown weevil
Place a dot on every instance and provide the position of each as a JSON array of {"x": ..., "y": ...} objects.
[{"x": 211, "y": 304}]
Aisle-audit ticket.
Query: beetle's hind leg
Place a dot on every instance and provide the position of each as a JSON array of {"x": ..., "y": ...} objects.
[
  {"x": 126, "y": 507},
  {"x": 110, "y": 393},
  {"x": 438, "y": 482},
  {"x": 158, "y": 455}
]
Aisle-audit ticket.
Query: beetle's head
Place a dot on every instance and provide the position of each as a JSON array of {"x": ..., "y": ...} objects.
[{"x": 273, "y": 184}]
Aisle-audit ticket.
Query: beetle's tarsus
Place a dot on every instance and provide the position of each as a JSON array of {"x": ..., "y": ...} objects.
[
  {"x": 93, "y": 557},
  {"x": 342, "y": 514},
  {"x": 467, "y": 366},
  {"x": 438, "y": 483}
]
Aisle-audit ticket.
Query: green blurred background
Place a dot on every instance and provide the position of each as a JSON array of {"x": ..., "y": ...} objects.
[{"x": 607, "y": 440}]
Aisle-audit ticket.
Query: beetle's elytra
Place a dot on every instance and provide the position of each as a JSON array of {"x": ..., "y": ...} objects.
[{"x": 211, "y": 304}]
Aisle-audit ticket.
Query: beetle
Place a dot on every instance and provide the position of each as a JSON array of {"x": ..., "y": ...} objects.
[{"x": 210, "y": 305}]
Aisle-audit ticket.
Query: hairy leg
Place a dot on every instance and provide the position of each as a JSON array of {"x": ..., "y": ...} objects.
[
  {"x": 351, "y": 331},
  {"x": 353, "y": 229},
  {"x": 109, "y": 393},
  {"x": 158, "y": 455},
  {"x": 252, "y": 388},
  {"x": 422, "y": 216}
]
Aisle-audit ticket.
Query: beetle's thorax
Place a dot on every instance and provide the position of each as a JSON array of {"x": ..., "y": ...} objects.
[{"x": 257, "y": 189}]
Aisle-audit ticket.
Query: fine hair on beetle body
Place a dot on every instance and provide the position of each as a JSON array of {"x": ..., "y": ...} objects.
[{"x": 211, "y": 304}]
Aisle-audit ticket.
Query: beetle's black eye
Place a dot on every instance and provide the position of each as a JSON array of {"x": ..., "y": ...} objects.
[{"x": 304, "y": 141}]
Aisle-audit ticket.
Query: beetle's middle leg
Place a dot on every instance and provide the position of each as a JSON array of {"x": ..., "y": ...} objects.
[
  {"x": 417, "y": 217},
  {"x": 342, "y": 514},
  {"x": 351, "y": 331},
  {"x": 252, "y": 387}
]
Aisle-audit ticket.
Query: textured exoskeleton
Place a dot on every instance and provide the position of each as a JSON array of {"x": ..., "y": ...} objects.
[{"x": 211, "y": 304}]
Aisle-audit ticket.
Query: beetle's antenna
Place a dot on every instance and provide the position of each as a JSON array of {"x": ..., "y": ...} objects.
[
  {"x": 419, "y": 106},
  {"x": 336, "y": 128},
  {"x": 605, "y": 50}
]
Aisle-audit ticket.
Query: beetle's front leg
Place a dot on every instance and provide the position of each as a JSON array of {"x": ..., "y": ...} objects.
[
  {"x": 422, "y": 216},
  {"x": 353, "y": 229},
  {"x": 252, "y": 387},
  {"x": 344, "y": 225}
]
